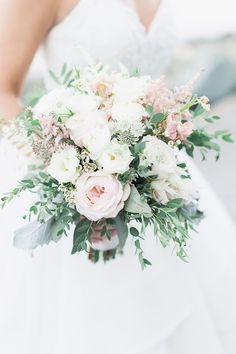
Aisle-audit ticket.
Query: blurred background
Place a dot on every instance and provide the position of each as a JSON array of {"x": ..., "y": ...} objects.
[{"x": 207, "y": 40}]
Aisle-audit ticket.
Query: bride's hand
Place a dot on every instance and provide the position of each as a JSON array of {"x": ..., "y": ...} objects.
[{"x": 102, "y": 243}]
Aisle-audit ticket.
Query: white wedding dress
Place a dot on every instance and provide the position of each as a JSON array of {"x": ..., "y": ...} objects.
[{"x": 55, "y": 303}]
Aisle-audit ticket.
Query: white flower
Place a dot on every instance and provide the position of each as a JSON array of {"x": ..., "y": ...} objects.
[
  {"x": 116, "y": 158},
  {"x": 173, "y": 187},
  {"x": 99, "y": 195},
  {"x": 128, "y": 117},
  {"x": 128, "y": 112},
  {"x": 133, "y": 129},
  {"x": 159, "y": 156},
  {"x": 131, "y": 89},
  {"x": 62, "y": 100},
  {"x": 63, "y": 164},
  {"x": 90, "y": 130}
]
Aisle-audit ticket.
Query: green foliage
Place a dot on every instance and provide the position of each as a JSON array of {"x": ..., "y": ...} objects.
[
  {"x": 29, "y": 123},
  {"x": 122, "y": 230},
  {"x": 206, "y": 142},
  {"x": 64, "y": 77},
  {"x": 139, "y": 251},
  {"x": 82, "y": 233},
  {"x": 136, "y": 205}
]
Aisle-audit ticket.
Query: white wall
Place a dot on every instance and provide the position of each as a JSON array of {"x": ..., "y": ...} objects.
[{"x": 204, "y": 18}]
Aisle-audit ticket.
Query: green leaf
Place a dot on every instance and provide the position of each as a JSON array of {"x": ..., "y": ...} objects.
[
  {"x": 135, "y": 72},
  {"x": 57, "y": 229},
  {"x": 150, "y": 110},
  {"x": 157, "y": 118},
  {"x": 147, "y": 262},
  {"x": 137, "y": 245},
  {"x": 104, "y": 230},
  {"x": 43, "y": 175},
  {"x": 54, "y": 77},
  {"x": 175, "y": 203},
  {"x": 33, "y": 209},
  {"x": 134, "y": 232},
  {"x": 136, "y": 205},
  {"x": 228, "y": 138},
  {"x": 63, "y": 69},
  {"x": 138, "y": 148},
  {"x": 67, "y": 77},
  {"x": 82, "y": 233},
  {"x": 122, "y": 231},
  {"x": 110, "y": 221},
  {"x": 198, "y": 111}
]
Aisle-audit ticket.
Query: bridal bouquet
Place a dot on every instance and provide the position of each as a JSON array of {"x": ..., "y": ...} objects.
[{"x": 108, "y": 165}]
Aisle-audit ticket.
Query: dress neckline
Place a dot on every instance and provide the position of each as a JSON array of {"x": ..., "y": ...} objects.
[
  {"x": 146, "y": 31},
  {"x": 131, "y": 7}
]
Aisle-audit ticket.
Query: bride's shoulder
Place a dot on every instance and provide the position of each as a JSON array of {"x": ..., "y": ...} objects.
[{"x": 46, "y": 10}]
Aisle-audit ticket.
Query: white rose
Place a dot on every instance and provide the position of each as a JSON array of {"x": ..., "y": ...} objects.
[
  {"x": 173, "y": 187},
  {"x": 131, "y": 89},
  {"x": 62, "y": 100},
  {"x": 116, "y": 158},
  {"x": 159, "y": 156},
  {"x": 99, "y": 195},
  {"x": 63, "y": 164},
  {"x": 89, "y": 130},
  {"x": 128, "y": 112}
]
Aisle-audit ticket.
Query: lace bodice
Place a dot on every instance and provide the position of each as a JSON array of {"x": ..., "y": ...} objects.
[{"x": 111, "y": 31}]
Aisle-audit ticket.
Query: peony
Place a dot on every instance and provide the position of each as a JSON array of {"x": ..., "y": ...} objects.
[
  {"x": 173, "y": 187},
  {"x": 159, "y": 156},
  {"x": 90, "y": 130},
  {"x": 132, "y": 89},
  {"x": 63, "y": 164},
  {"x": 128, "y": 112},
  {"x": 116, "y": 158},
  {"x": 99, "y": 195},
  {"x": 63, "y": 100}
]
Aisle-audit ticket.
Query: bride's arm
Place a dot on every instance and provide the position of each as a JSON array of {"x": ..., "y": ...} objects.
[{"x": 23, "y": 25}]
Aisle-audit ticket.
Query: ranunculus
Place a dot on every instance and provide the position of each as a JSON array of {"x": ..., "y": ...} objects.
[
  {"x": 172, "y": 187},
  {"x": 159, "y": 156},
  {"x": 90, "y": 130},
  {"x": 132, "y": 89},
  {"x": 62, "y": 100},
  {"x": 115, "y": 158},
  {"x": 63, "y": 164},
  {"x": 99, "y": 195}
]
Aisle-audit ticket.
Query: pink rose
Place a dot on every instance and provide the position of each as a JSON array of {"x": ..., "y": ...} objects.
[{"x": 99, "y": 195}]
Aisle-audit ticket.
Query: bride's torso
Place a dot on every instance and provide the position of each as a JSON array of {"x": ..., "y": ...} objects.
[{"x": 111, "y": 31}]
